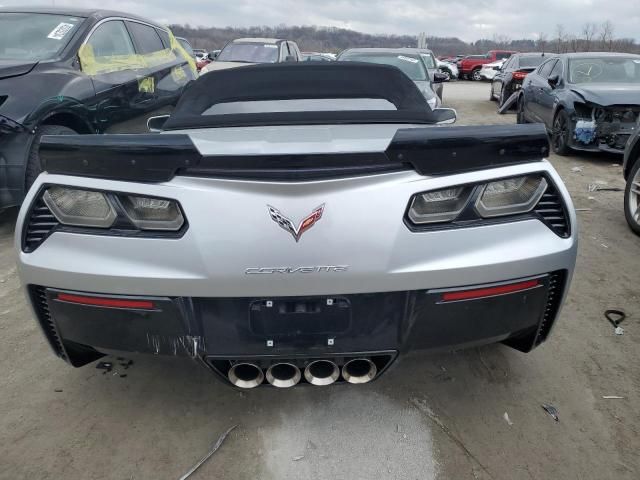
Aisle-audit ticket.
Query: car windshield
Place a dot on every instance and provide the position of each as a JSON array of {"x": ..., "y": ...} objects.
[
  {"x": 249, "y": 52},
  {"x": 35, "y": 36},
  {"x": 604, "y": 70},
  {"x": 409, "y": 64},
  {"x": 530, "y": 62}
]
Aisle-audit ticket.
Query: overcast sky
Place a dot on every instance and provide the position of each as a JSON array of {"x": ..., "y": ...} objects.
[{"x": 466, "y": 19}]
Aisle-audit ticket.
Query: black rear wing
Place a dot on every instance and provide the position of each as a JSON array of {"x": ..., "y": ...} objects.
[{"x": 427, "y": 150}]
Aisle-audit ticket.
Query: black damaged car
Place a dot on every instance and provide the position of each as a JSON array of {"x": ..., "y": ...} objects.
[
  {"x": 67, "y": 71},
  {"x": 587, "y": 101}
]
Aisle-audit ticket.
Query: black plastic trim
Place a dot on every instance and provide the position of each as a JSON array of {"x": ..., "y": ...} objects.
[{"x": 429, "y": 151}]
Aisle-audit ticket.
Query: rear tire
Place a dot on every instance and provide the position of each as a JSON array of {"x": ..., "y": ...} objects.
[
  {"x": 520, "y": 118},
  {"x": 632, "y": 198},
  {"x": 560, "y": 134},
  {"x": 503, "y": 96},
  {"x": 34, "y": 166},
  {"x": 491, "y": 96}
]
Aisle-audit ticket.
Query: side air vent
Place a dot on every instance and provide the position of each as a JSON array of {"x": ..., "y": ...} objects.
[
  {"x": 41, "y": 306},
  {"x": 552, "y": 212},
  {"x": 38, "y": 227},
  {"x": 556, "y": 288}
]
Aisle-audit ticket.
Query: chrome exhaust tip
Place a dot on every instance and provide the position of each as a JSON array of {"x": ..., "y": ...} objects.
[
  {"x": 321, "y": 372},
  {"x": 359, "y": 370},
  {"x": 283, "y": 375},
  {"x": 245, "y": 375}
]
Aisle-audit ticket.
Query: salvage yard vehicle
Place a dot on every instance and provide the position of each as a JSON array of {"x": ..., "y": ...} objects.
[
  {"x": 250, "y": 51},
  {"x": 470, "y": 65},
  {"x": 68, "y": 71},
  {"x": 408, "y": 60},
  {"x": 631, "y": 171},
  {"x": 450, "y": 70},
  {"x": 509, "y": 77},
  {"x": 308, "y": 231},
  {"x": 490, "y": 70},
  {"x": 587, "y": 101}
]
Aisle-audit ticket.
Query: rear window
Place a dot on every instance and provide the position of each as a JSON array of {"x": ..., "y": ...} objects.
[
  {"x": 249, "y": 53},
  {"x": 146, "y": 37},
  {"x": 35, "y": 36},
  {"x": 409, "y": 64},
  {"x": 531, "y": 61}
]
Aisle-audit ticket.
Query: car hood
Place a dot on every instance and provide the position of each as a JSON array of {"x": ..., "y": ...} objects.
[
  {"x": 15, "y": 68},
  {"x": 608, "y": 94},
  {"x": 224, "y": 65}
]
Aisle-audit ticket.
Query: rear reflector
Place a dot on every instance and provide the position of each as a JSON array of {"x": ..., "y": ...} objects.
[
  {"x": 489, "y": 291},
  {"x": 105, "y": 302}
]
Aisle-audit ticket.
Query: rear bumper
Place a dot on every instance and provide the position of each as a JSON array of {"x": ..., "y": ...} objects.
[{"x": 80, "y": 327}]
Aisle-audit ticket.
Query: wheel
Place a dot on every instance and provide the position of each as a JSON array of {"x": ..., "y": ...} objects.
[
  {"x": 520, "y": 118},
  {"x": 446, "y": 73},
  {"x": 475, "y": 75},
  {"x": 560, "y": 133},
  {"x": 632, "y": 198},
  {"x": 34, "y": 167}
]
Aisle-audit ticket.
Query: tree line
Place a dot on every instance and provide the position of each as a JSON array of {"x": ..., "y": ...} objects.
[{"x": 592, "y": 37}]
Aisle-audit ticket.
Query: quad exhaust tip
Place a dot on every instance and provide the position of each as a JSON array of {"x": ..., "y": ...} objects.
[
  {"x": 359, "y": 370},
  {"x": 321, "y": 372},
  {"x": 245, "y": 375},
  {"x": 283, "y": 375}
]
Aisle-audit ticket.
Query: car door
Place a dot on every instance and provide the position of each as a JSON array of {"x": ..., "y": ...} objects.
[
  {"x": 547, "y": 95},
  {"x": 108, "y": 57},
  {"x": 163, "y": 72},
  {"x": 535, "y": 88},
  {"x": 498, "y": 81}
]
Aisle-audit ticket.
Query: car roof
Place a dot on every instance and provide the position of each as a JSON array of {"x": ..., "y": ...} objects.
[
  {"x": 407, "y": 50},
  {"x": 95, "y": 14},
  {"x": 258, "y": 40},
  {"x": 596, "y": 54},
  {"x": 534, "y": 54}
]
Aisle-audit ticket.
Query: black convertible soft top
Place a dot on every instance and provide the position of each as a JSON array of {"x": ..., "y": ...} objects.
[{"x": 295, "y": 81}]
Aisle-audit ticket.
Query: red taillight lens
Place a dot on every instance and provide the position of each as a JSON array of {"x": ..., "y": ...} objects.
[
  {"x": 519, "y": 75},
  {"x": 488, "y": 291},
  {"x": 105, "y": 301}
]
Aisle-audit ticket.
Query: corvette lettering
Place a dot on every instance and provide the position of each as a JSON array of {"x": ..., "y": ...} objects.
[
  {"x": 289, "y": 270},
  {"x": 305, "y": 224}
]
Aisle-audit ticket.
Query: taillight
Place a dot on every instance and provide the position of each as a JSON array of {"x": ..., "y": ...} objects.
[{"x": 519, "y": 75}]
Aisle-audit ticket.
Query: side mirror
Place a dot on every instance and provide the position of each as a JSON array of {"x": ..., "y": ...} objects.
[
  {"x": 290, "y": 58},
  {"x": 156, "y": 124},
  {"x": 553, "y": 80},
  {"x": 439, "y": 77},
  {"x": 445, "y": 116}
]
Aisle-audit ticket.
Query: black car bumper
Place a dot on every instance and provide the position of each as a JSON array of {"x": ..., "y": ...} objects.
[
  {"x": 14, "y": 149},
  {"x": 82, "y": 327}
]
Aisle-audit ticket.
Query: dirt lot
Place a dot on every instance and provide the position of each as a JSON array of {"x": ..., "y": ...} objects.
[{"x": 434, "y": 416}]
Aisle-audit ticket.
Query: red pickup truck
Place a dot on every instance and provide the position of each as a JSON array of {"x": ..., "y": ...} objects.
[{"x": 470, "y": 66}]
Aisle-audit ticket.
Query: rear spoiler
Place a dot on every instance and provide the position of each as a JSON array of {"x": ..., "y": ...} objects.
[{"x": 159, "y": 157}]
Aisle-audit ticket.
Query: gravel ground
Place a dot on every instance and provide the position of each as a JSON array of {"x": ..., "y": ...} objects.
[{"x": 435, "y": 416}]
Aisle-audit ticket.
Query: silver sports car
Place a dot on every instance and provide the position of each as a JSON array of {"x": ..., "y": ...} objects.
[{"x": 297, "y": 224}]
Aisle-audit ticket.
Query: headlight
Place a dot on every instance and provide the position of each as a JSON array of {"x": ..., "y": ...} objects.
[
  {"x": 438, "y": 206},
  {"x": 510, "y": 196},
  {"x": 77, "y": 207},
  {"x": 152, "y": 213}
]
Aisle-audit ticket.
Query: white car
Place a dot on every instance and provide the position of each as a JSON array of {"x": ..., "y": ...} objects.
[
  {"x": 449, "y": 69},
  {"x": 488, "y": 71},
  {"x": 249, "y": 51}
]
